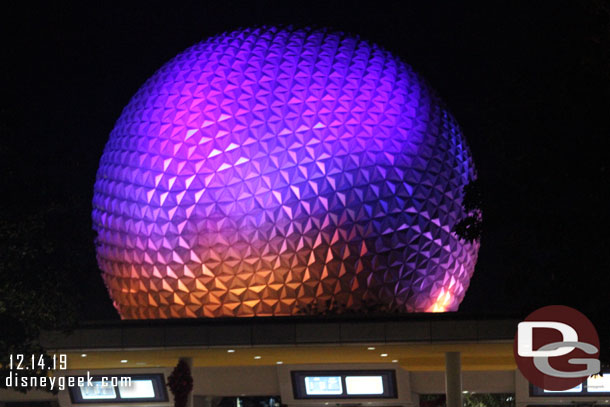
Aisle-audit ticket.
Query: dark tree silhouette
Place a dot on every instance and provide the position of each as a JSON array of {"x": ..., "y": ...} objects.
[
  {"x": 36, "y": 292},
  {"x": 471, "y": 227},
  {"x": 180, "y": 383}
]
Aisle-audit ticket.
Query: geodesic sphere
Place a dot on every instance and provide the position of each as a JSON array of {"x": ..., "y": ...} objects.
[{"x": 278, "y": 171}]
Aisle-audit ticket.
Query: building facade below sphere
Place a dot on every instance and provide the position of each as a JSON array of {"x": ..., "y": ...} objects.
[{"x": 397, "y": 362}]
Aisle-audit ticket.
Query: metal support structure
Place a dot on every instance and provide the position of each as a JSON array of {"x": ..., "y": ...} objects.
[{"x": 453, "y": 379}]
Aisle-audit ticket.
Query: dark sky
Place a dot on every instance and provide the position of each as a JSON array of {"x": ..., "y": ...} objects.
[{"x": 528, "y": 82}]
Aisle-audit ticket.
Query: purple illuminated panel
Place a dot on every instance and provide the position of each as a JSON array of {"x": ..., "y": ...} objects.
[{"x": 274, "y": 172}]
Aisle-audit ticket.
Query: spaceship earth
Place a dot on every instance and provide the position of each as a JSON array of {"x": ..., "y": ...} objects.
[{"x": 279, "y": 171}]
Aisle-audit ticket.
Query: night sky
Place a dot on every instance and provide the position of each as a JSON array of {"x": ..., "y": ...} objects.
[{"x": 527, "y": 81}]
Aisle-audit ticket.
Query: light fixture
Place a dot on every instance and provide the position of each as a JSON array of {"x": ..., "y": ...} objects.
[
  {"x": 395, "y": 361},
  {"x": 384, "y": 355},
  {"x": 279, "y": 362},
  {"x": 465, "y": 392},
  {"x": 124, "y": 361},
  {"x": 257, "y": 357},
  {"x": 230, "y": 350},
  {"x": 371, "y": 348},
  {"x": 83, "y": 355}
]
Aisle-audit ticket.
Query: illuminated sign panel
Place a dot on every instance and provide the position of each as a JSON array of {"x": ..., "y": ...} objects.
[
  {"x": 139, "y": 389},
  {"x": 599, "y": 384},
  {"x": 97, "y": 392},
  {"x": 594, "y": 386},
  {"x": 121, "y": 389},
  {"x": 344, "y": 384},
  {"x": 364, "y": 384},
  {"x": 323, "y": 385},
  {"x": 576, "y": 389}
]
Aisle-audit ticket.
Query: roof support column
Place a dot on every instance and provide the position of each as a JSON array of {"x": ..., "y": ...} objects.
[{"x": 453, "y": 379}]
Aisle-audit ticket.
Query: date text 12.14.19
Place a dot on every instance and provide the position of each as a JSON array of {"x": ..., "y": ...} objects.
[{"x": 38, "y": 362}]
